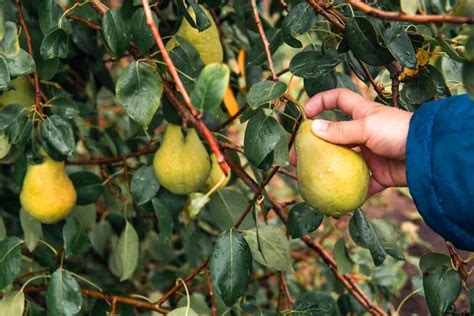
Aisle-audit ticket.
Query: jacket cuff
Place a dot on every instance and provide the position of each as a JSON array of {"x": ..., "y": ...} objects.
[{"x": 419, "y": 168}]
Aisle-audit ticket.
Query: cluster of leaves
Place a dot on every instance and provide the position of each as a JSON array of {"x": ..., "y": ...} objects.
[{"x": 103, "y": 86}]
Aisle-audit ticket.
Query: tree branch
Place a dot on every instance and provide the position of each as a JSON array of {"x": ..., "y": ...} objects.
[
  {"x": 266, "y": 45},
  {"x": 211, "y": 293},
  {"x": 400, "y": 16},
  {"x": 187, "y": 100},
  {"x": 87, "y": 22},
  {"x": 38, "y": 106}
]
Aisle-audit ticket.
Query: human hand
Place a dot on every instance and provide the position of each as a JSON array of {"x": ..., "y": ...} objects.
[{"x": 379, "y": 131}]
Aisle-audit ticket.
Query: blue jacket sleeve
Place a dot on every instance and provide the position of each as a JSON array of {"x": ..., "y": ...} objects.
[{"x": 440, "y": 167}]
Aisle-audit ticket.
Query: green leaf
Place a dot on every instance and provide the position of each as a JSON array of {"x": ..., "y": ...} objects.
[
  {"x": 32, "y": 230},
  {"x": 165, "y": 220},
  {"x": 88, "y": 187},
  {"x": 22, "y": 64},
  {"x": 399, "y": 44},
  {"x": 343, "y": 260},
  {"x": 12, "y": 304},
  {"x": 187, "y": 61},
  {"x": 433, "y": 259},
  {"x": 225, "y": 208},
  {"x": 9, "y": 114},
  {"x": 64, "y": 107},
  {"x": 363, "y": 42},
  {"x": 144, "y": 185},
  {"x": 139, "y": 90},
  {"x": 315, "y": 304},
  {"x": 303, "y": 219},
  {"x": 127, "y": 252},
  {"x": 210, "y": 87},
  {"x": 9, "y": 45},
  {"x": 10, "y": 260},
  {"x": 141, "y": 33},
  {"x": 58, "y": 134},
  {"x": 264, "y": 92},
  {"x": 261, "y": 136},
  {"x": 202, "y": 20},
  {"x": 442, "y": 287},
  {"x": 468, "y": 77},
  {"x": 75, "y": 239},
  {"x": 64, "y": 294},
  {"x": 417, "y": 90},
  {"x": 100, "y": 235},
  {"x": 312, "y": 64},
  {"x": 364, "y": 235},
  {"x": 114, "y": 31},
  {"x": 299, "y": 20},
  {"x": 49, "y": 14},
  {"x": 5, "y": 84},
  {"x": 230, "y": 266},
  {"x": 55, "y": 44},
  {"x": 442, "y": 90},
  {"x": 269, "y": 247},
  {"x": 85, "y": 214}
]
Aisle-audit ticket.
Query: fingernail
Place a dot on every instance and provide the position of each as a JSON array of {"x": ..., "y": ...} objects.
[{"x": 319, "y": 126}]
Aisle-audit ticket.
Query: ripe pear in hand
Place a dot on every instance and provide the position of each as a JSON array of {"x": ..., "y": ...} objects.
[
  {"x": 48, "y": 194},
  {"x": 24, "y": 94},
  {"x": 216, "y": 175},
  {"x": 207, "y": 42},
  {"x": 332, "y": 179},
  {"x": 181, "y": 164}
]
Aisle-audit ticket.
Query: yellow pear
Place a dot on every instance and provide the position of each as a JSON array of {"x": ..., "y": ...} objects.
[
  {"x": 181, "y": 164},
  {"x": 207, "y": 42},
  {"x": 332, "y": 179},
  {"x": 216, "y": 175},
  {"x": 24, "y": 94},
  {"x": 48, "y": 194}
]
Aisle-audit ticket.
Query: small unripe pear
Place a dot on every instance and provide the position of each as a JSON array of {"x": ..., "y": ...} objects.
[
  {"x": 48, "y": 194},
  {"x": 181, "y": 164},
  {"x": 332, "y": 179}
]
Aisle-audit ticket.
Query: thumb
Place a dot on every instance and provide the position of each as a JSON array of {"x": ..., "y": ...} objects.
[{"x": 343, "y": 133}]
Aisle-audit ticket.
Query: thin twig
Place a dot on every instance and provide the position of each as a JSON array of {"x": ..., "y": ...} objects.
[
  {"x": 187, "y": 100},
  {"x": 85, "y": 21},
  {"x": 232, "y": 118},
  {"x": 395, "y": 70},
  {"x": 38, "y": 106},
  {"x": 211, "y": 293},
  {"x": 400, "y": 16},
  {"x": 266, "y": 45}
]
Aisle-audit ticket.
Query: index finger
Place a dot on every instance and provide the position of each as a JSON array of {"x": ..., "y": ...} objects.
[{"x": 346, "y": 100}]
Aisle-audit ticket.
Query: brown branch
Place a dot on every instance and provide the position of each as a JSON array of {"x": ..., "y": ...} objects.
[
  {"x": 99, "y": 7},
  {"x": 111, "y": 160},
  {"x": 38, "y": 106},
  {"x": 178, "y": 285},
  {"x": 285, "y": 300},
  {"x": 266, "y": 45},
  {"x": 211, "y": 293},
  {"x": 105, "y": 297},
  {"x": 87, "y": 22},
  {"x": 321, "y": 10},
  {"x": 458, "y": 262},
  {"x": 124, "y": 300},
  {"x": 400, "y": 16},
  {"x": 395, "y": 70},
  {"x": 187, "y": 100}
]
